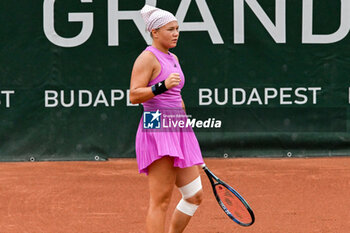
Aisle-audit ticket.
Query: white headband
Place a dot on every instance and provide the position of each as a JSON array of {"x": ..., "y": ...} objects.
[{"x": 155, "y": 17}]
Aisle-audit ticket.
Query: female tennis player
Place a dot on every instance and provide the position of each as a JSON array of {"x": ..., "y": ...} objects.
[{"x": 168, "y": 157}]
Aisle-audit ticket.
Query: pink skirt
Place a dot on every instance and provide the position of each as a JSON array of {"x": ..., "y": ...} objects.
[{"x": 171, "y": 139}]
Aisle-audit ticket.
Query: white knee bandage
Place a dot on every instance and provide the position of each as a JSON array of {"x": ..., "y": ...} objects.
[
  {"x": 188, "y": 191},
  {"x": 186, "y": 207}
]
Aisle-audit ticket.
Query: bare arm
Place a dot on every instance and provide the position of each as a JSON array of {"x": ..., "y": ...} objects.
[{"x": 140, "y": 76}]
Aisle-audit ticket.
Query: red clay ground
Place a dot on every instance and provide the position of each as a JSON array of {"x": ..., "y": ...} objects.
[{"x": 287, "y": 196}]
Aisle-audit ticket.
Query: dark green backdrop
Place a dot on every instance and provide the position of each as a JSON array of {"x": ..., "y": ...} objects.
[{"x": 30, "y": 65}]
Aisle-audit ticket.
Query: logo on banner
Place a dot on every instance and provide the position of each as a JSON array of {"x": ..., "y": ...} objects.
[{"x": 152, "y": 120}]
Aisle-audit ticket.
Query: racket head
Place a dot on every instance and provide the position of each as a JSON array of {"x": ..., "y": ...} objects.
[{"x": 232, "y": 203}]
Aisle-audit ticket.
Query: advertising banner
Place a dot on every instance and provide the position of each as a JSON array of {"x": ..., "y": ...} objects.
[{"x": 264, "y": 78}]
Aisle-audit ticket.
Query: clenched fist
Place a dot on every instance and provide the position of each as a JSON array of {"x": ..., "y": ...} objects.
[{"x": 172, "y": 80}]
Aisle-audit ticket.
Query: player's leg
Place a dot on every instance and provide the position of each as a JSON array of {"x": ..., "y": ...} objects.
[
  {"x": 161, "y": 179},
  {"x": 189, "y": 183}
]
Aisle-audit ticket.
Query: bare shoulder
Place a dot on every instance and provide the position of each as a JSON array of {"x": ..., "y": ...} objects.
[
  {"x": 145, "y": 60},
  {"x": 146, "y": 57},
  {"x": 142, "y": 70},
  {"x": 175, "y": 56}
]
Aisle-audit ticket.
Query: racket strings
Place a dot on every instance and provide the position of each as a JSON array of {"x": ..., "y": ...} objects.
[{"x": 233, "y": 204}]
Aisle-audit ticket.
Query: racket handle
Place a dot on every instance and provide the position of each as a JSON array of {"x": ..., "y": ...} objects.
[{"x": 203, "y": 165}]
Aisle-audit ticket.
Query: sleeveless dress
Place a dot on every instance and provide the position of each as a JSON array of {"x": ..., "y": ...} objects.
[{"x": 177, "y": 142}]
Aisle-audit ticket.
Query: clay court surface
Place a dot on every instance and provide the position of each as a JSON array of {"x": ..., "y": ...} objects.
[{"x": 291, "y": 195}]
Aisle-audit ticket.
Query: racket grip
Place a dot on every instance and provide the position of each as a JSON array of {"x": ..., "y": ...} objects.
[{"x": 203, "y": 165}]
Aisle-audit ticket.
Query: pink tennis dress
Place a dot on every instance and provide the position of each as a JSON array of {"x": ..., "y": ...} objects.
[{"x": 169, "y": 139}]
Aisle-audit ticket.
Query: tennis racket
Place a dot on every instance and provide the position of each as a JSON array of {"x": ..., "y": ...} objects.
[{"x": 230, "y": 200}]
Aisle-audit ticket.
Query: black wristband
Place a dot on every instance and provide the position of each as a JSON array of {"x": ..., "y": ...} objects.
[{"x": 159, "y": 88}]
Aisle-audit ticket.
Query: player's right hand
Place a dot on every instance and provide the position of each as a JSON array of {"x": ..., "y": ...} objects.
[{"x": 172, "y": 80}]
